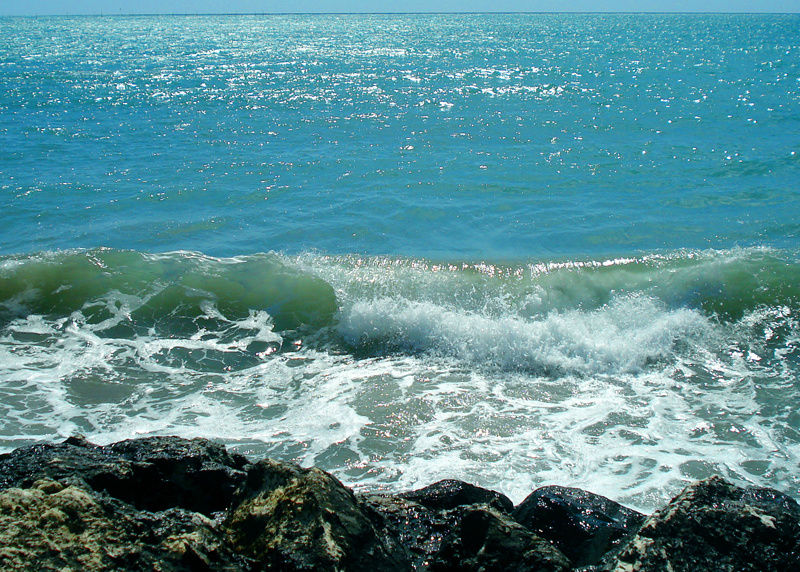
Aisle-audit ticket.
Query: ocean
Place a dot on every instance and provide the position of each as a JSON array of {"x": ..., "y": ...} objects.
[{"x": 517, "y": 249}]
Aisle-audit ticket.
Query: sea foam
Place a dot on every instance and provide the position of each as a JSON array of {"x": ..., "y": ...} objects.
[{"x": 620, "y": 337}]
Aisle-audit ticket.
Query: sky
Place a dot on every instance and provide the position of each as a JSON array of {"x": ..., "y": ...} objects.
[{"x": 44, "y": 7}]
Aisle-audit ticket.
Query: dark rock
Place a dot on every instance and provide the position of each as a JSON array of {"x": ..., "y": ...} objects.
[
  {"x": 467, "y": 537},
  {"x": 449, "y": 494},
  {"x": 75, "y": 458},
  {"x": 169, "y": 472},
  {"x": 484, "y": 539},
  {"x": 307, "y": 520},
  {"x": 154, "y": 473},
  {"x": 265, "y": 476},
  {"x": 419, "y": 530},
  {"x": 583, "y": 525},
  {"x": 61, "y": 527},
  {"x": 714, "y": 525},
  {"x": 167, "y": 504}
]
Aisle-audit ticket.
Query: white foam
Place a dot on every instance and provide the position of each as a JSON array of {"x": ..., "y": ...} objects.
[
  {"x": 625, "y": 427},
  {"x": 622, "y": 336}
]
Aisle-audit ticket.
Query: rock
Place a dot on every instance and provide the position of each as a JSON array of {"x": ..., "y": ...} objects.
[
  {"x": 60, "y": 527},
  {"x": 154, "y": 473},
  {"x": 167, "y": 472},
  {"x": 714, "y": 525},
  {"x": 583, "y": 525},
  {"x": 419, "y": 530},
  {"x": 166, "y": 503},
  {"x": 309, "y": 521},
  {"x": 265, "y": 476},
  {"x": 449, "y": 494},
  {"x": 75, "y": 458},
  {"x": 467, "y": 537},
  {"x": 485, "y": 539}
]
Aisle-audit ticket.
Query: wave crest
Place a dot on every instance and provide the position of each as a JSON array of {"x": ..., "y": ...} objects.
[{"x": 623, "y": 336}]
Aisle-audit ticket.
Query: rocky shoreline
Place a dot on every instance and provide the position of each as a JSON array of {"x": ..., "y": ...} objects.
[{"x": 165, "y": 503}]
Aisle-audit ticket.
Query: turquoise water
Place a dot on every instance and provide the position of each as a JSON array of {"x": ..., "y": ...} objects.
[{"x": 513, "y": 249}]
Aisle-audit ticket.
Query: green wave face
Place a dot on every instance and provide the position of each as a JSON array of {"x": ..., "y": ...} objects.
[
  {"x": 584, "y": 317},
  {"x": 180, "y": 293},
  {"x": 176, "y": 293},
  {"x": 723, "y": 284}
]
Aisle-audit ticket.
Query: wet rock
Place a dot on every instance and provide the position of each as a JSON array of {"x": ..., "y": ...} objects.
[
  {"x": 418, "y": 530},
  {"x": 174, "y": 504},
  {"x": 75, "y": 458},
  {"x": 583, "y": 525},
  {"x": 449, "y": 494},
  {"x": 467, "y": 537},
  {"x": 265, "y": 476},
  {"x": 194, "y": 474},
  {"x": 309, "y": 521},
  {"x": 485, "y": 539},
  {"x": 153, "y": 473},
  {"x": 60, "y": 527},
  {"x": 714, "y": 525}
]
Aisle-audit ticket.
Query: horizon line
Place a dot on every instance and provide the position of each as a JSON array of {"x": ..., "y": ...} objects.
[{"x": 399, "y": 13}]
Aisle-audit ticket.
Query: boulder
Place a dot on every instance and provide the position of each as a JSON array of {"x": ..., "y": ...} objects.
[
  {"x": 304, "y": 519},
  {"x": 154, "y": 473},
  {"x": 417, "y": 529},
  {"x": 714, "y": 525},
  {"x": 195, "y": 474},
  {"x": 582, "y": 525},
  {"x": 52, "y": 526},
  {"x": 450, "y": 493},
  {"x": 466, "y": 537},
  {"x": 165, "y": 503},
  {"x": 485, "y": 539}
]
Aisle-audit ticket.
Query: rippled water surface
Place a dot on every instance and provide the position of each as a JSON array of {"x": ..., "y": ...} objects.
[{"x": 512, "y": 249}]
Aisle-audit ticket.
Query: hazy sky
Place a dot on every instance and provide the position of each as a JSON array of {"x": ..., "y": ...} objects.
[{"x": 34, "y": 7}]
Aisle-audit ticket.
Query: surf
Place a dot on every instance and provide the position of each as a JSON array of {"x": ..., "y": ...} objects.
[{"x": 629, "y": 374}]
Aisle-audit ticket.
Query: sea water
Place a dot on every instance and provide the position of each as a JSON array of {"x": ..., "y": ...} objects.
[{"x": 516, "y": 250}]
